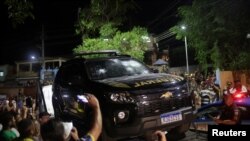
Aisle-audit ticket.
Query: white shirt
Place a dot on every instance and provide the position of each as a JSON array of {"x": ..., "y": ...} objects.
[{"x": 243, "y": 90}]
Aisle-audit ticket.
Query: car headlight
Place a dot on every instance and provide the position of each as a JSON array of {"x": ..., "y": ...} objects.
[{"x": 121, "y": 97}]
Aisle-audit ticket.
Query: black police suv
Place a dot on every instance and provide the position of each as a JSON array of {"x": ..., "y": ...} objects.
[{"x": 133, "y": 99}]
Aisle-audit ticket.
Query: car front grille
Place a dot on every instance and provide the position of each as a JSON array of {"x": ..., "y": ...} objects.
[{"x": 153, "y": 104}]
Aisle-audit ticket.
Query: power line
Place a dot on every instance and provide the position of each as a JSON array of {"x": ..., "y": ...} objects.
[
  {"x": 162, "y": 36},
  {"x": 173, "y": 5}
]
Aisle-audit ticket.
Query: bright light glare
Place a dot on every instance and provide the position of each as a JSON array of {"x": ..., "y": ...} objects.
[
  {"x": 131, "y": 63},
  {"x": 102, "y": 71},
  {"x": 33, "y": 57},
  {"x": 183, "y": 27},
  {"x": 135, "y": 64}
]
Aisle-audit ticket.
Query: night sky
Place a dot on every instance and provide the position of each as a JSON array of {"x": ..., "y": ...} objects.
[{"x": 59, "y": 17}]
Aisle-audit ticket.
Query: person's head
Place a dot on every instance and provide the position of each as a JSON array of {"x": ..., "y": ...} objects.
[
  {"x": 237, "y": 84},
  {"x": 229, "y": 84},
  {"x": 228, "y": 100},
  {"x": 203, "y": 84},
  {"x": 26, "y": 128},
  {"x": 44, "y": 117},
  {"x": 53, "y": 130},
  {"x": 7, "y": 120}
]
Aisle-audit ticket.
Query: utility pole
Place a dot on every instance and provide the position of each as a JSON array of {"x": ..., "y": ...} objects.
[
  {"x": 43, "y": 56},
  {"x": 186, "y": 50}
]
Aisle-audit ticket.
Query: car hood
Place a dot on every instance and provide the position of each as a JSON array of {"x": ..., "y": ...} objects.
[
  {"x": 239, "y": 102},
  {"x": 139, "y": 81}
]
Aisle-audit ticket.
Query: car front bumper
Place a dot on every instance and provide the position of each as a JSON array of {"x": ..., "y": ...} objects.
[{"x": 152, "y": 123}]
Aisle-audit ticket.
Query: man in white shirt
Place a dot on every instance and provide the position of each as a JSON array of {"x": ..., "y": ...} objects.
[{"x": 238, "y": 88}]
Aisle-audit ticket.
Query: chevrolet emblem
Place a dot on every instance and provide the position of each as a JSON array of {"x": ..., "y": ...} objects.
[{"x": 167, "y": 95}]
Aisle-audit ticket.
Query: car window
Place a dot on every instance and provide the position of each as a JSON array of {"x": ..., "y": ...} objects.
[
  {"x": 210, "y": 111},
  {"x": 115, "y": 68},
  {"x": 215, "y": 110},
  {"x": 71, "y": 75},
  {"x": 73, "y": 104}
]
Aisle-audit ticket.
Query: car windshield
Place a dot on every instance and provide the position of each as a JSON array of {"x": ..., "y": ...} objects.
[{"x": 102, "y": 69}]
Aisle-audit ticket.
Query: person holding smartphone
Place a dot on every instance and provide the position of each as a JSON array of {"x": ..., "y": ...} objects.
[{"x": 54, "y": 130}]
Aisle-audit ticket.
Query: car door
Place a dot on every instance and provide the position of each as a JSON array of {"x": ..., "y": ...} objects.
[{"x": 69, "y": 84}]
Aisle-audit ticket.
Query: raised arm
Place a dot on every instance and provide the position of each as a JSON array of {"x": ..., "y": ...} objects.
[{"x": 96, "y": 127}]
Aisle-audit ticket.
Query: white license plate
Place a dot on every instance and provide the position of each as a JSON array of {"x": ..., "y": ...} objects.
[{"x": 170, "y": 117}]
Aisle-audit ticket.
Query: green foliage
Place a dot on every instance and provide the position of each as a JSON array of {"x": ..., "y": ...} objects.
[
  {"x": 241, "y": 61},
  {"x": 101, "y": 12},
  {"x": 19, "y": 11},
  {"x": 107, "y": 30},
  {"x": 215, "y": 55},
  {"x": 99, "y": 25},
  {"x": 130, "y": 43},
  {"x": 217, "y": 31}
]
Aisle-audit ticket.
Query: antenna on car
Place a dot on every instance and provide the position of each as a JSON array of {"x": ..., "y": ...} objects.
[{"x": 108, "y": 52}]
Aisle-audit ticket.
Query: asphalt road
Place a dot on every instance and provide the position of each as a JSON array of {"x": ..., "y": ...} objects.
[
  {"x": 189, "y": 136},
  {"x": 194, "y": 136}
]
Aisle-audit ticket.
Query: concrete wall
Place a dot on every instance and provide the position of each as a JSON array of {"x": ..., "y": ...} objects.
[
  {"x": 9, "y": 91},
  {"x": 242, "y": 75}
]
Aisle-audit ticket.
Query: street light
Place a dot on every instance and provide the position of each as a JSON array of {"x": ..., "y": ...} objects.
[
  {"x": 183, "y": 27},
  {"x": 33, "y": 57}
]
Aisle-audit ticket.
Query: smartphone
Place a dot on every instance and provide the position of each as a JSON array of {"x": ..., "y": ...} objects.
[{"x": 82, "y": 98}]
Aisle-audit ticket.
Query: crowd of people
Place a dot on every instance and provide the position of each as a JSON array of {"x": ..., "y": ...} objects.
[
  {"x": 204, "y": 90},
  {"x": 19, "y": 121}
]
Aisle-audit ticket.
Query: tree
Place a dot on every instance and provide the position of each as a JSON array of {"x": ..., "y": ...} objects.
[
  {"x": 19, "y": 11},
  {"x": 132, "y": 42},
  {"x": 217, "y": 31},
  {"x": 100, "y": 26},
  {"x": 102, "y": 12}
]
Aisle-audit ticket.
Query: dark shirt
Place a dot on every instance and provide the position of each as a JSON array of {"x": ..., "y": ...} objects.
[
  {"x": 29, "y": 102},
  {"x": 230, "y": 113}
]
